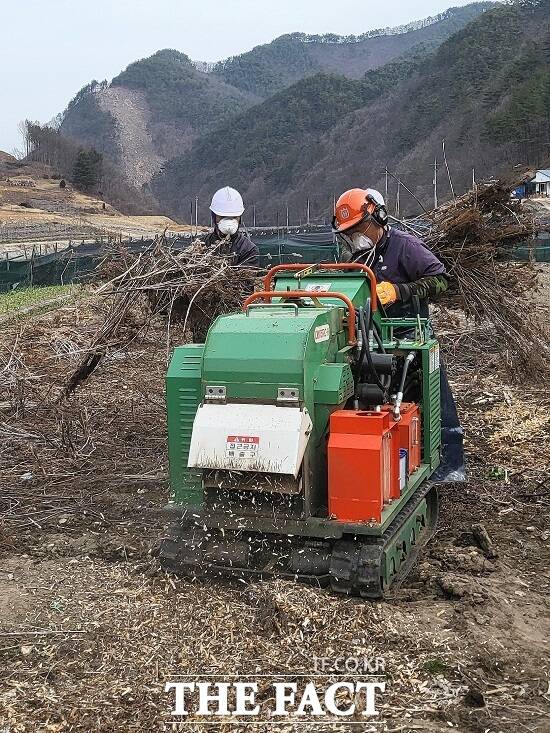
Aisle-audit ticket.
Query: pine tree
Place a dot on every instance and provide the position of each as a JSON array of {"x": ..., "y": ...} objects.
[{"x": 87, "y": 169}]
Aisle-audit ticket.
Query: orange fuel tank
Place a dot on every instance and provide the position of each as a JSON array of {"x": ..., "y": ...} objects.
[
  {"x": 363, "y": 464},
  {"x": 409, "y": 433}
]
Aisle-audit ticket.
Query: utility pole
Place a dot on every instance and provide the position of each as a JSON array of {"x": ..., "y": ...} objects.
[
  {"x": 254, "y": 214},
  {"x": 287, "y": 217},
  {"x": 398, "y": 198},
  {"x": 386, "y": 188},
  {"x": 191, "y": 216},
  {"x": 308, "y": 212},
  {"x": 474, "y": 179},
  {"x": 448, "y": 171},
  {"x": 196, "y": 216},
  {"x": 435, "y": 183}
]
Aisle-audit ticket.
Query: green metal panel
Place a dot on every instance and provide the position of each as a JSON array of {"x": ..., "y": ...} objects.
[
  {"x": 422, "y": 341},
  {"x": 333, "y": 384},
  {"x": 431, "y": 405},
  {"x": 183, "y": 395},
  {"x": 253, "y": 355},
  {"x": 356, "y": 286}
]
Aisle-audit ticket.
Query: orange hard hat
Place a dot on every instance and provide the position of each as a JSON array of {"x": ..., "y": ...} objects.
[{"x": 351, "y": 208}]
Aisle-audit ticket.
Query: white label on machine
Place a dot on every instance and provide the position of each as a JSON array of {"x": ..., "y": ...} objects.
[
  {"x": 321, "y": 333},
  {"x": 434, "y": 358},
  {"x": 244, "y": 447},
  {"x": 317, "y": 287},
  {"x": 248, "y": 437}
]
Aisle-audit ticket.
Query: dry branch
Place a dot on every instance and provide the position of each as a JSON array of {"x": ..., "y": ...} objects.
[{"x": 194, "y": 285}]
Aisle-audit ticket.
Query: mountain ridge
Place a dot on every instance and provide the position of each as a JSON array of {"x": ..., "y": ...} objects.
[
  {"x": 177, "y": 102},
  {"x": 491, "y": 73}
]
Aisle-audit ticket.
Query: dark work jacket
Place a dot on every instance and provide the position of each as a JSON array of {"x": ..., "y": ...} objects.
[
  {"x": 240, "y": 247},
  {"x": 402, "y": 258}
]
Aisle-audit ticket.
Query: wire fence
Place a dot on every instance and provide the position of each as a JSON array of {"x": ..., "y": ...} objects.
[{"x": 78, "y": 262}]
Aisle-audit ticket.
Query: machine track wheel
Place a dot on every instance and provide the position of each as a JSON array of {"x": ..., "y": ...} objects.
[
  {"x": 368, "y": 567},
  {"x": 357, "y": 565}
]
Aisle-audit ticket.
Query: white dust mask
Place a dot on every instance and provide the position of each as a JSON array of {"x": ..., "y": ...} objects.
[
  {"x": 361, "y": 243},
  {"x": 228, "y": 227}
]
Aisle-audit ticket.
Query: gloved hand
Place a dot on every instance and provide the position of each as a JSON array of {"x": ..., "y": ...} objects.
[{"x": 387, "y": 293}]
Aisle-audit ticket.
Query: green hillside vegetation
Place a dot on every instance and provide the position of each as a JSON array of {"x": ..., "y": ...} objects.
[
  {"x": 87, "y": 124},
  {"x": 484, "y": 78},
  {"x": 270, "y": 139},
  {"x": 461, "y": 69},
  {"x": 266, "y": 141},
  {"x": 176, "y": 92},
  {"x": 527, "y": 114},
  {"x": 267, "y": 69}
]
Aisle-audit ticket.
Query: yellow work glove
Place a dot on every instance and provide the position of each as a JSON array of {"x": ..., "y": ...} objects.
[{"x": 387, "y": 293}]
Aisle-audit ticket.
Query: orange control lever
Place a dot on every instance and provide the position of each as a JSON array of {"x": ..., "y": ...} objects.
[
  {"x": 268, "y": 280},
  {"x": 284, "y": 294}
]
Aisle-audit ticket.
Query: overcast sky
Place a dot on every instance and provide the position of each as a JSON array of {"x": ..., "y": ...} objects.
[{"x": 50, "y": 48}]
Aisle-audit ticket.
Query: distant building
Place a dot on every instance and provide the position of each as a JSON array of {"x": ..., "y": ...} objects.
[{"x": 537, "y": 186}]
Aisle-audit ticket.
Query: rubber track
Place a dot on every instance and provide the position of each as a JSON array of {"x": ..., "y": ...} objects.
[{"x": 355, "y": 565}]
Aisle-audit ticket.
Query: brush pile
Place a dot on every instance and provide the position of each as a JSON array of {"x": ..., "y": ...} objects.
[
  {"x": 194, "y": 286},
  {"x": 473, "y": 235}
]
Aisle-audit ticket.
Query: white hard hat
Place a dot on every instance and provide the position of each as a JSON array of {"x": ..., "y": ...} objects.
[
  {"x": 227, "y": 202},
  {"x": 376, "y": 195}
]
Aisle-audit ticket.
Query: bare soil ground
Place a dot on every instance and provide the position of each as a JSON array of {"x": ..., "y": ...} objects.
[{"x": 91, "y": 629}]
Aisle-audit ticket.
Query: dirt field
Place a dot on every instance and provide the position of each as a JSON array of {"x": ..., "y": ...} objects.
[
  {"x": 91, "y": 629},
  {"x": 46, "y": 213}
]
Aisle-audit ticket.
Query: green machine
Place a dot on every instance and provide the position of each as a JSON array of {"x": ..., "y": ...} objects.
[{"x": 303, "y": 436}]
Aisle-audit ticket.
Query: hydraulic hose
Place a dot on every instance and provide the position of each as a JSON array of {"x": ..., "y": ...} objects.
[
  {"x": 399, "y": 399},
  {"x": 411, "y": 384},
  {"x": 364, "y": 344},
  {"x": 378, "y": 338},
  {"x": 364, "y": 334}
]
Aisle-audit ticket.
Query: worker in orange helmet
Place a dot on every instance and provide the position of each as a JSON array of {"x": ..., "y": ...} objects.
[{"x": 408, "y": 273}]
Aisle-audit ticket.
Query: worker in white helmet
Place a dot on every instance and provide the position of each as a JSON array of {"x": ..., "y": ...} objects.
[{"x": 227, "y": 208}]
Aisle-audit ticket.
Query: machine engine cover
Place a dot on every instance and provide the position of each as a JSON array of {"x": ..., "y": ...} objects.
[{"x": 250, "y": 437}]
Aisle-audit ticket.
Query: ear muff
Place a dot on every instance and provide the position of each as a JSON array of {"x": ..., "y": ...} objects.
[{"x": 380, "y": 213}]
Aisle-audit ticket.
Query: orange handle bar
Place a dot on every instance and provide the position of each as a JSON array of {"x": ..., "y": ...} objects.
[
  {"x": 268, "y": 280},
  {"x": 270, "y": 294}
]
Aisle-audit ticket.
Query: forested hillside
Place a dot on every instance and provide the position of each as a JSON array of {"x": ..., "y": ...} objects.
[
  {"x": 191, "y": 100},
  {"x": 158, "y": 105},
  {"x": 484, "y": 90},
  {"x": 163, "y": 106},
  {"x": 270, "y": 68},
  {"x": 274, "y": 142}
]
